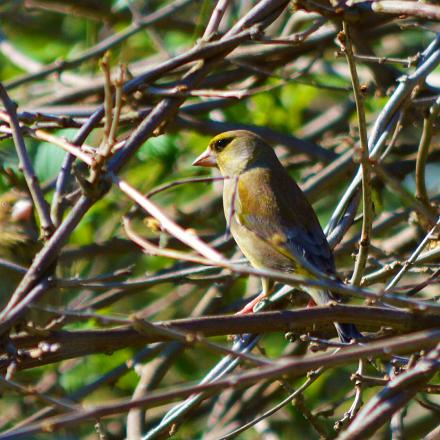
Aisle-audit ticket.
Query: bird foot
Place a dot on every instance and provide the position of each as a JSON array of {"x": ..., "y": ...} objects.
[
  {"x": 249, "y": 307},
  {"x": 311, "y": 303}
]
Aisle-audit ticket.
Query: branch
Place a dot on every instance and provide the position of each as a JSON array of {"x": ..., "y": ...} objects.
[
  {"x": 83, "y": 342},
  {"x": 407, "y": 8},
  {"x": 103, "y": 46},
  {"x": 25, "y": 162},
  {"x": 291, "y": 368},
  {"x": 394, "y": 396},
  {"x": 367, "y": 217}
]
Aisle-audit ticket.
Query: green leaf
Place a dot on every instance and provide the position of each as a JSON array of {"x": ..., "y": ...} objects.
[
  {"x": 48, "y": 161},
  {"x": 162, "y": 148}
]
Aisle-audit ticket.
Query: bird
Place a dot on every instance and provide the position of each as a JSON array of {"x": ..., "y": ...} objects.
[
  {"x": 18, "y": 229},
  {"x": 18, "y": 238},
  {"x": 20, "y": 241},
  {"x": 269, "y": 216}
]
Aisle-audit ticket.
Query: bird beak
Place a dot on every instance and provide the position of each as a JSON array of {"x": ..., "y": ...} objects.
[{"x": 206, "y": 159}]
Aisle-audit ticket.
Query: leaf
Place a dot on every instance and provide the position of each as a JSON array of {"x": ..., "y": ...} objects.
[{"x": 48, "y": 160}]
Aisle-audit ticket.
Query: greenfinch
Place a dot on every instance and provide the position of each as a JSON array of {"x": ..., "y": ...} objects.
[
  {"x": 18, "y": 238},
  {"x": 269, "y": 216}
]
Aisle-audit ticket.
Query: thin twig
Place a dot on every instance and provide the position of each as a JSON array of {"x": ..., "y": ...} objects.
[
  {"x": 215, "y": 19},
  {"x": 41, "y": 205},
  {"x": 422, "y": 153},
  {"x": 393, "y": 397},
  {"x": 367, "y": 206},
  {"x": 413, "y": 257},
  {"x": 292, "y": 368}
]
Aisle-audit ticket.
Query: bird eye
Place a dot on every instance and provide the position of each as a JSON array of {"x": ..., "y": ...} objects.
[{"x": 220, "y": 144}]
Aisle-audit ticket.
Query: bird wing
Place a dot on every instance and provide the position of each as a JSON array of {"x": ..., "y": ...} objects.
[{"x": 271, "y": 205}]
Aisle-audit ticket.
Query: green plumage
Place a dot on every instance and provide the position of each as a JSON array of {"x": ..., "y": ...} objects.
[{"x": 269, "y": 217}]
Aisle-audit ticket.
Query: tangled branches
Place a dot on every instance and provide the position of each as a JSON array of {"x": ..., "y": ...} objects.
[{"x": 116, "y": 271}]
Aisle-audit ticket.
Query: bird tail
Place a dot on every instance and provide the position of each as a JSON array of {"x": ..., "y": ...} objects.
[{"x": 347, "y": 332}]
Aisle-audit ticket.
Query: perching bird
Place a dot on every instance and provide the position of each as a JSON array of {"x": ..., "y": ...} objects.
[
  {"x": 18, "y": 230},
  {"x": 268, "y": 215},
  {"x": 19, "y": 243},
  {"x": 18, "y": 238}
]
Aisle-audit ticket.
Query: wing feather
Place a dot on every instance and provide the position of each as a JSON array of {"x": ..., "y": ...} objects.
[{"x": 277, "y": 211}]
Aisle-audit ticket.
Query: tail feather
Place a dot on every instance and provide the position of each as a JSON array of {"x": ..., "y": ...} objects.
[{"x": 347, "y": 332}]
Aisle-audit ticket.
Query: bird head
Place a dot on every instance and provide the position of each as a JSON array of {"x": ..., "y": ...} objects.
[
  {"x": 17, "y": 222},
  {"x": 235, "y": 151}
]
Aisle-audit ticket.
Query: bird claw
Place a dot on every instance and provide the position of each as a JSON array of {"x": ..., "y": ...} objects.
[{"x": 249, "y": 307}]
